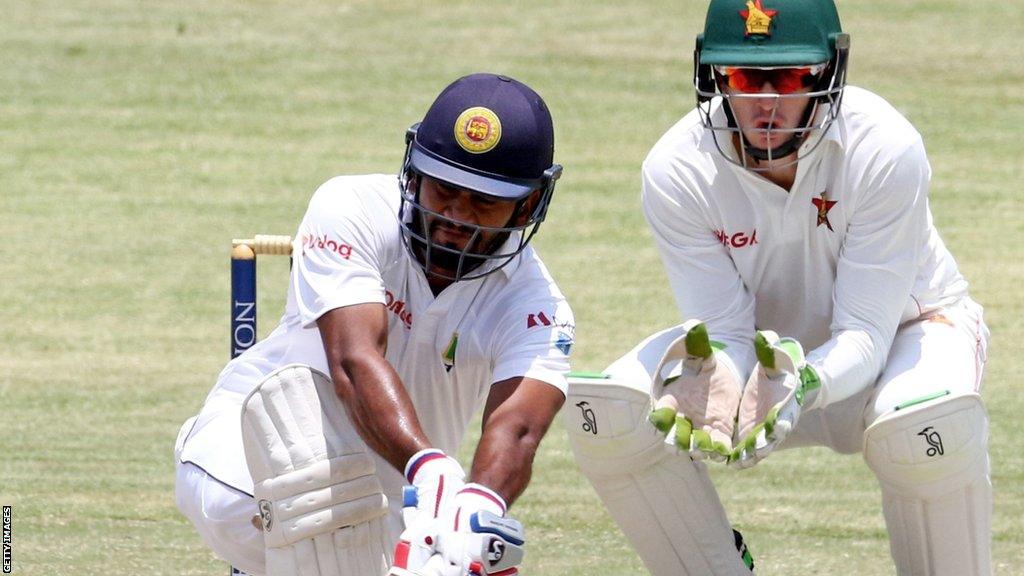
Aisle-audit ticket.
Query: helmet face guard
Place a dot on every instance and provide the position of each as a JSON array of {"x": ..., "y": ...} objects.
[
  {"x": 809, "y": 36},
  {"x": 489, "y": 248}
]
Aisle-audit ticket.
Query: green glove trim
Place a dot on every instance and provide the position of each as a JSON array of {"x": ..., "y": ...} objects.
[
  {"x": 792, "y": 349},
  {"x": 703, "y": 441},
  {"x": 697, "y": 341},
  {"x": 770, "y": 419},
  {"x": 662, "y": 418},
  {"x": 684, "y": 428},
  {"x": 763, "y": 349},
  {"x": 809, "y": 382}
]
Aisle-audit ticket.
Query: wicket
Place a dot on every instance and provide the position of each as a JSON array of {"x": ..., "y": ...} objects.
[
  {"x": 243, "y": 285},
  {"x": 243, "y": 293}
]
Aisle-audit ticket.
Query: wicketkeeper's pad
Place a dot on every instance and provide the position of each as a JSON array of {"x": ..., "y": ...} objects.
[
  {"x": 314, "y": 480},
  {"x": 931, "y": 459},
  {"x": 665, "y": 503}
]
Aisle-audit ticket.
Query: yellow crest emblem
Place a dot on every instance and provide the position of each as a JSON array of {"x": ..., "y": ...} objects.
[
  {"x": 477, "y": 130},
  {"x": 758, "y": 18}
]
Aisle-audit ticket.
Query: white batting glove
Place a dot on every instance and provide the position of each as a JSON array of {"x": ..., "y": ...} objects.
[
  {"x": 416, "y": 552},
  {"x": 436, "y": 477},
  {"x": 477, "y": 537},
  {"x": 696, "y": 409},
  {"x": 472, "y": 538},
  {"x": 781, "y": 384}
]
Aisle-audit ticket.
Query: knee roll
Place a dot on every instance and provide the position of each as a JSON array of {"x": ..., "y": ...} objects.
[
  {"x": 930, "y": 448},
  {"x": 607, "y": 423}
]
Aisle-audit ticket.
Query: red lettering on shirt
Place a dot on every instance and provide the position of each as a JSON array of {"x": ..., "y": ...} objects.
[
  {"x": 737, "y": 240},
  {"x": 310, "y": 242},
  {"x": 398, "y": 308}
]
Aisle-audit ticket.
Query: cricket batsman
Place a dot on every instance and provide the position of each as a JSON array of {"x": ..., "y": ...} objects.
[
  {"x": 414, "y": 301},
  {"x": 821, "y": 308}
]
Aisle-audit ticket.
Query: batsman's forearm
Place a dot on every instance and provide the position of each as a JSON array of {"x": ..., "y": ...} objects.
[
  {"x": 504, "y": 459},
  {"x": 380, "y": 409}
]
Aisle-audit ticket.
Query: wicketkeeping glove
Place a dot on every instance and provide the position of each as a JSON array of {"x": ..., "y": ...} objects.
[
  {"x": 781, "y": 384},
  {"x": 696, "y": 409}
]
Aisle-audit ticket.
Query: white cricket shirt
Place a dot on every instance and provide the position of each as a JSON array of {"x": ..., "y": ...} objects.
[
  {"x": 349, "y": 250},
  {"x": 838, "y": 262}
]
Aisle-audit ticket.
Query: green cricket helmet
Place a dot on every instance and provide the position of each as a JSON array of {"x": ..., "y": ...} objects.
[{"x": 769, "y": 36}]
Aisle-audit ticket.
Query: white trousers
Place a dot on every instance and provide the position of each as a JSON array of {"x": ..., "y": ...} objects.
[
  {"x": 224, "y": 519},
  {"x": 945, "y": 351}
]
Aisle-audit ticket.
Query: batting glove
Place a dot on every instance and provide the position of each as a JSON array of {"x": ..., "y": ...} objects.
[
  {"x": 478, "y": 537},
  {"x": 781, "y": 384},
  {"x": 696, "y": 408},
  {"x": 472, "y": 538},
  {"x": 436, "y": 478}
]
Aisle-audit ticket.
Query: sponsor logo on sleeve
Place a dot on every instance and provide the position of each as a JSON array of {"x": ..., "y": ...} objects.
[
  {"x": 323, "y": 242},
  {"x": 538, "y": 319},
  {"x": 564, "y": 342}
]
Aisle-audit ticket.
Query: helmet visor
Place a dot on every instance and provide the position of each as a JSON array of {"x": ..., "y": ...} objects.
[
  {"x": 782, "y": 80},
  {"x": 423, "y": 162}
]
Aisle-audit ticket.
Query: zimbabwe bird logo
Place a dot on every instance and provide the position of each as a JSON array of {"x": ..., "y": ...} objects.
[
  {"x": 758, "y": 18},
  {"x": 823, "y": 204}
]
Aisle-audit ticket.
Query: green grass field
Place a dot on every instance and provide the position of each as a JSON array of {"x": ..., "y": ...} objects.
[{"x": 136, "y": 138}]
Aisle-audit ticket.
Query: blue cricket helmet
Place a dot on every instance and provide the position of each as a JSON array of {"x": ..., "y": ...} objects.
[{"x": 492, "y": 135}]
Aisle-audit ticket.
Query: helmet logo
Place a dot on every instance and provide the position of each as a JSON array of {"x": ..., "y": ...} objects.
[
  {"x": 758, "y": 18},
  {"x": 477, "y": 130}
]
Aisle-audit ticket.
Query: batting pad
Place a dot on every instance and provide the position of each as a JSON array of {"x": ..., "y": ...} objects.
[
  {"x": 664, "y": 503},
  {"x": 932, "y": 462},
  {"x": 320, "y": 501}
]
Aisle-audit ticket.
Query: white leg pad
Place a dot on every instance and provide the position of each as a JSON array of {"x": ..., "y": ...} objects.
[
  {"x": 932, "y": 462},
  {"x": 320, "y": 500},
  {"x": 664, "y": 503}
]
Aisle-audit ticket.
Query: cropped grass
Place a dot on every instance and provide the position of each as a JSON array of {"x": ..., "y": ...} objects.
[{"x": 138, "y": 137}]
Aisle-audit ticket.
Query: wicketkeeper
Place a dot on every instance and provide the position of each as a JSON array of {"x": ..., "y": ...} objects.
[
  {"x": 414, "y": 302},
  {"x": 821, "y": 306}
]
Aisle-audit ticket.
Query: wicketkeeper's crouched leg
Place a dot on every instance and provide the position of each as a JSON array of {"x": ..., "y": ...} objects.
[
  {"x": 665, "y": 504},
  {"x": 928, "y": 445}
]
